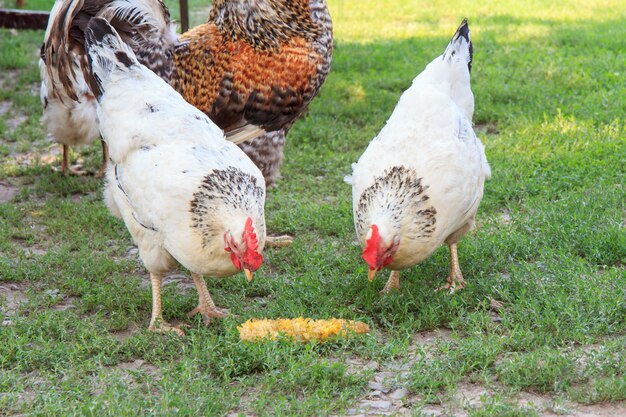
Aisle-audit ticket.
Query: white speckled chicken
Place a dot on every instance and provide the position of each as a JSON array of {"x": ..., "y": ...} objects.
[
  {"x": 420, "y": 181},
  {"x": 187, "y": 195}
]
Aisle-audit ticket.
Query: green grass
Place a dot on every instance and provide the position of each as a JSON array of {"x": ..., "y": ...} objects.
[{"x": 550, "y": 244}]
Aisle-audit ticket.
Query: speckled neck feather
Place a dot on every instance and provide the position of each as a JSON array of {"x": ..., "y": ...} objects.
[
  {"x": 397, "y": 195},
  {"x": 230, "y": 188},
  {"x": 265, "y": 23}
]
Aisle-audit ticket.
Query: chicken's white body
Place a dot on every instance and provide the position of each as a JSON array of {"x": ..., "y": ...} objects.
[
  {"x": 184, "y": 192},
  {"x": 163, "y": 149},
  {"x": 153, "y": 189},
  {"x": 421, "y": 179}
]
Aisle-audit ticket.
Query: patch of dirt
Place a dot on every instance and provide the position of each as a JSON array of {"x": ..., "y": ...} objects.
[
  {"x": 244, "y": 402},
  {"x": 601, "y": 410},
  {"x": 48, "y": 156},
  {"x": 139, "y": 364},
  {"x": 28, "y": 392},
  {"x": 9, "y": 75},
  {"x": 427, "y": 340},
  {"x": 183, "y": 282},
  {"x": 505, "y": 218},
  {"x": 12, "y": 295},
  {"x": 124, "y": 334},
  {"x": 126, "y": 372},
  {"x": 387, "y": 394},
  {"x": 7, "y": 192},
  {"x": 15, "y": 121},
  {"x": 470, "y": 395},
  {"x": 5, "y": 106},
  {"x": 33, "y": 250},
  {"x": 545, "y": 405},
  {"x": 66, "y": 303}
]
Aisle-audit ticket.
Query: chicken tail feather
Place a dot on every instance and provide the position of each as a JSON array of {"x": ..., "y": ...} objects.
[
  {"x": 461, "y": 44},
  {"x": 244, "y": 134},
  {"x": 144, "y": 24},
  {"x": 107, "y": 54}
]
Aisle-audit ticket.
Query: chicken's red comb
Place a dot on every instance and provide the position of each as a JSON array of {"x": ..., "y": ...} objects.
[
  {"x": 249, "y": 236},
  {"x": 252, "y": 259},
  {"x": 370, "y": 253}
]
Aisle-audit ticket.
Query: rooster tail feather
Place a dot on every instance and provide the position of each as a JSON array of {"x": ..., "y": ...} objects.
[
  {"x": 144, "y": 24},
  {"x": 107, "y": 54},
  {"x": 461, "y": 45}
]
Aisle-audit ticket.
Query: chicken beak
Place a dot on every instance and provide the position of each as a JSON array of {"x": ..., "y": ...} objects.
[
  {"x": 249, "y": 274},
  {"x": 371, "y": 274}
]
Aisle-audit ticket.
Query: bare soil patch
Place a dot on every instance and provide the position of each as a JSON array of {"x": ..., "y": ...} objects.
[
  {"x": 15, "y": 121},
  {"x": 5, "y": 106},
  {"x": 7, "y": 192},
  {"x": 124, "y": 334},
  {"x": 12, "y": 295}
]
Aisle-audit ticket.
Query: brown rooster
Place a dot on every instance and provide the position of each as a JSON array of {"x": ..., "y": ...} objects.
[{"x": 253, "y": 68}]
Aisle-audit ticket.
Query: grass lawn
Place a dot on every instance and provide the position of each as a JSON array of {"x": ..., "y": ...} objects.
[{"x": 540, "y": 329}]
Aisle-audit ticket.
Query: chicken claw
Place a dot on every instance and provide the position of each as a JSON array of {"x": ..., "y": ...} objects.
[
  {"x": 278, "y": 241},
  {"x": 161, "y": 326},
  {"x": 209, "y": 313},
  {"x": 157, "y": 324},
  {"x": 206, "y": 306},
  {"x": 455, "y": 279},
  {"x": 66, "y": 169}
]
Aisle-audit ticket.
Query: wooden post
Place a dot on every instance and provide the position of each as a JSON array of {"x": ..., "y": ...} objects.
[
  {"x": 23, "y": 19},
  {"x": 184, "y": 15}
]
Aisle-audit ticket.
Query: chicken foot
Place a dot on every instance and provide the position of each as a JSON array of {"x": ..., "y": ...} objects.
[
  {"x": 393, "y": 283},
  {"x": 455, "y": 279},
  {"x": 157, "y": 324},
  {"x": 67, "y": 169},
  {"x": 65, "y": 164},
  {"x": 278, "y": 241},
  {"x": 206, "y": 306}
]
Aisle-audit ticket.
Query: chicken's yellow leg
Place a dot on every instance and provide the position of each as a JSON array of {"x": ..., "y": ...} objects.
[
  {"x": 157, "y": 324},
  {"x": 65, "y": 165},
  {"x": 455, "y": 279},
  {"x": 393, "y": 283},
  {"x": 105, "y": 159},
  {"x": 206, "y": 306}
]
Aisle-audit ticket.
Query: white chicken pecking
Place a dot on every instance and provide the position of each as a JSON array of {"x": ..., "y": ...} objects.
[
  {"x": 420, "y": 181},
  {"x": 187, "y": 195}
]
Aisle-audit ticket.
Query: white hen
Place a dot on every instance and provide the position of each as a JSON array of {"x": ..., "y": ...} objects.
[
  {"x": 420, "y": 181},
  {"x": 186, "y": 194}
]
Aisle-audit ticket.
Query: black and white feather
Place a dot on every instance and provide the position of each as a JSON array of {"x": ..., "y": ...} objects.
[{"x": 69, "y": 109}]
